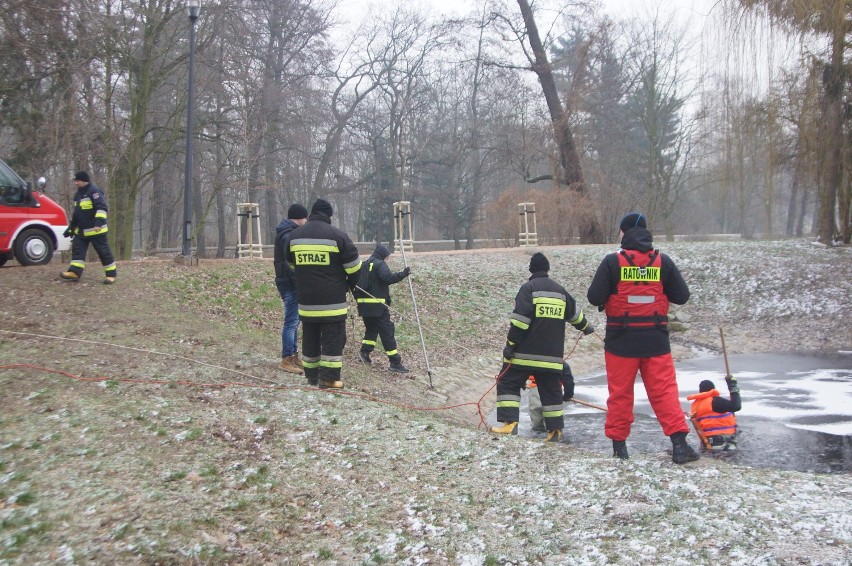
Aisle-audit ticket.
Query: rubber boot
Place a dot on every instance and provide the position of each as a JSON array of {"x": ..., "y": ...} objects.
[
  {"x": 619, "y": 449},
  {"x": 365, "y": 357},
  {"x": 682, "y": 452},
  {"x": 554, "y": 436},
  {"x": 507, "y": 428},
  {"x": 397, "y": 367}
]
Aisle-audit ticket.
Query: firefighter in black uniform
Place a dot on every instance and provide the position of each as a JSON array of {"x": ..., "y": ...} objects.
[
  {"x": 88, "y": 226},
  {"x": 373, "y": 297},
  {"x": 326, "y": 265},
  {"x": 535, "y": 346}
]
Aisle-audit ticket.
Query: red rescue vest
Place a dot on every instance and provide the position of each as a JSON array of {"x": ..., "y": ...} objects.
[
  {"x": 639, "y": 299},
  {"x": 711, "y": 422}
]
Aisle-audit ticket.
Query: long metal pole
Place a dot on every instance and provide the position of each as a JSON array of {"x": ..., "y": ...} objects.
[
  {"x": 187, "y": 173},
  {"x": 416, "y": 313}
]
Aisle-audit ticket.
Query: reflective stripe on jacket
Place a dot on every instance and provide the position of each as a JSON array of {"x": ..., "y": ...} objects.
[
  {"x": 326, "y": 266},
  {"x": 711, "y": 422},
  {"x": 90, "y": 211},
  {"x": 537, "y": 324}
]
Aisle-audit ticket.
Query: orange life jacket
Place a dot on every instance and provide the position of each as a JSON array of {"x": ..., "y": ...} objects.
[
  {"x": 639, "y": 299},
  {"x": 711, "y": 422}
]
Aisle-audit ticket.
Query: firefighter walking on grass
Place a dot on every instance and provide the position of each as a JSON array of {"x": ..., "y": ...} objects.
[
  {"x": 535, "y": 346},
  {"x": 88, "y": 226},
  {"x": 326, "y": 266}
]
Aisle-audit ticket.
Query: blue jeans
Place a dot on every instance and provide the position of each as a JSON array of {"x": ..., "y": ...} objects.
[{"x": 290, "y": 330}]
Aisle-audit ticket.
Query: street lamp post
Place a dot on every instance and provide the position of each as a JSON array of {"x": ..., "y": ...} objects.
[{"x": 193, "y": 7}]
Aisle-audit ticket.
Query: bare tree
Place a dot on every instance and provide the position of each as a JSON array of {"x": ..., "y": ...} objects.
[{"x": 571, "y": 173}]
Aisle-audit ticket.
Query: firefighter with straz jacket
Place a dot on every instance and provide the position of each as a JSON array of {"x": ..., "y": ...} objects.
[
  {"x": 326, "y": 265},
  {"x": 535, "y": 346}
]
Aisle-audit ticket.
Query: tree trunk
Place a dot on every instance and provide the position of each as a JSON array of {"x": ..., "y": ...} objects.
[
  {"x": 833, "y": 121},
  {"x": 589, "y": 229}
]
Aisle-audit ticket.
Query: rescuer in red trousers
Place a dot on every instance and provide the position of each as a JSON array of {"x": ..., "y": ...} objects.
[{"x": 634, "y": 286}]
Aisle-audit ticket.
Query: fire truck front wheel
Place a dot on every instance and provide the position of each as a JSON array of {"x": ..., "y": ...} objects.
[{"x": 33, "y": 247}]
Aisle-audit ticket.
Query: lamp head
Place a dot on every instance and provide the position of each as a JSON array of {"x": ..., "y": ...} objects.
[{"x": 192, "y": 9}]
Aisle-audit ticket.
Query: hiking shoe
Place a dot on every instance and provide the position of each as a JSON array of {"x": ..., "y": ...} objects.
[
  {"x": 397, "y": 367},
  {"x": 289, "y": 365},
  {"x": 554, "y": 436},
  {"x": 69, "y": 276},
  {"x": 365, "y": 357},
  {"x": 619, "y": 449},
  {"x": 109, "y": 280},
  {"x": 507, "y": 428},
  {"x": 682, "y": 452},
  {"x": 323, "y": 384}
]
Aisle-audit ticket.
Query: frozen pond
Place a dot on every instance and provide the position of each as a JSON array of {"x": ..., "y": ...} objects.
[{"x": 796, "y": 415}]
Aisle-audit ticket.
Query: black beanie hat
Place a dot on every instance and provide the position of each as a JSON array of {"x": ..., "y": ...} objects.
[
  {"x": 81, "y": 176},
  {"x": 539, "y": 263},
  {"x": 381, "y": 251},
  {"x": 705, "y": 386},
  {"x": 633, "y": 220},
  {"x": 297, "y": 211},
  {"x": 322, "y": 206}
]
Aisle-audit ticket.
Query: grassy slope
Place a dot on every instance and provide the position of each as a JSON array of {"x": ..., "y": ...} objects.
[{"x": 166, "y": 472}]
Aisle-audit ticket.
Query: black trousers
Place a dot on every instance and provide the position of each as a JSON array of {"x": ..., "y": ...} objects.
[
  {"x": 80, "y": 247},
  {"x": 549, "y": 385},
  {"x": 322, "y": 349},
  {"x": 380, "y": 327}
]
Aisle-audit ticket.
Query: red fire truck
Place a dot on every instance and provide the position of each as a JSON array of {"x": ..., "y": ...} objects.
[{"x": 31, "y": 224}]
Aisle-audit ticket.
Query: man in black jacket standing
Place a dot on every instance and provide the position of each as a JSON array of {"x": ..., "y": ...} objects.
[
  {"x": 634, "y": 286},
  {"x": 285, "y": 281},
  {"x": 89, "y": 226},
  {"x": 373, "y": 297},
  {"x": 535, "y": 346},
  {"x": 326, "y": 265}
]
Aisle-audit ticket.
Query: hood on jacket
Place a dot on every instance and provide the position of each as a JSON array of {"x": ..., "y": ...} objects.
[
  {"x": 285, "y": 226},
  {"x": 639, "y": 239},
  {"x": 381, "y": 252}
]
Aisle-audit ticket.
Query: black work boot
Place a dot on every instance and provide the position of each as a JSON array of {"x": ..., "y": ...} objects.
[
  {"x": 682, "y": 452},
  {"x": 619, "y": 449},
  {"x": 397, "y": 367},
  {"x": 365, "y": 357}
]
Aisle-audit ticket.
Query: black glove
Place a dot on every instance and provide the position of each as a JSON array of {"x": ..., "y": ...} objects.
[
  {"x": 68, "y": 233},
  {"x": 406, "y": 272},
  {"x": 588, "y": 329},
  {"x": 508, "y": 353},
  {"x": 733, "y": 387}
]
